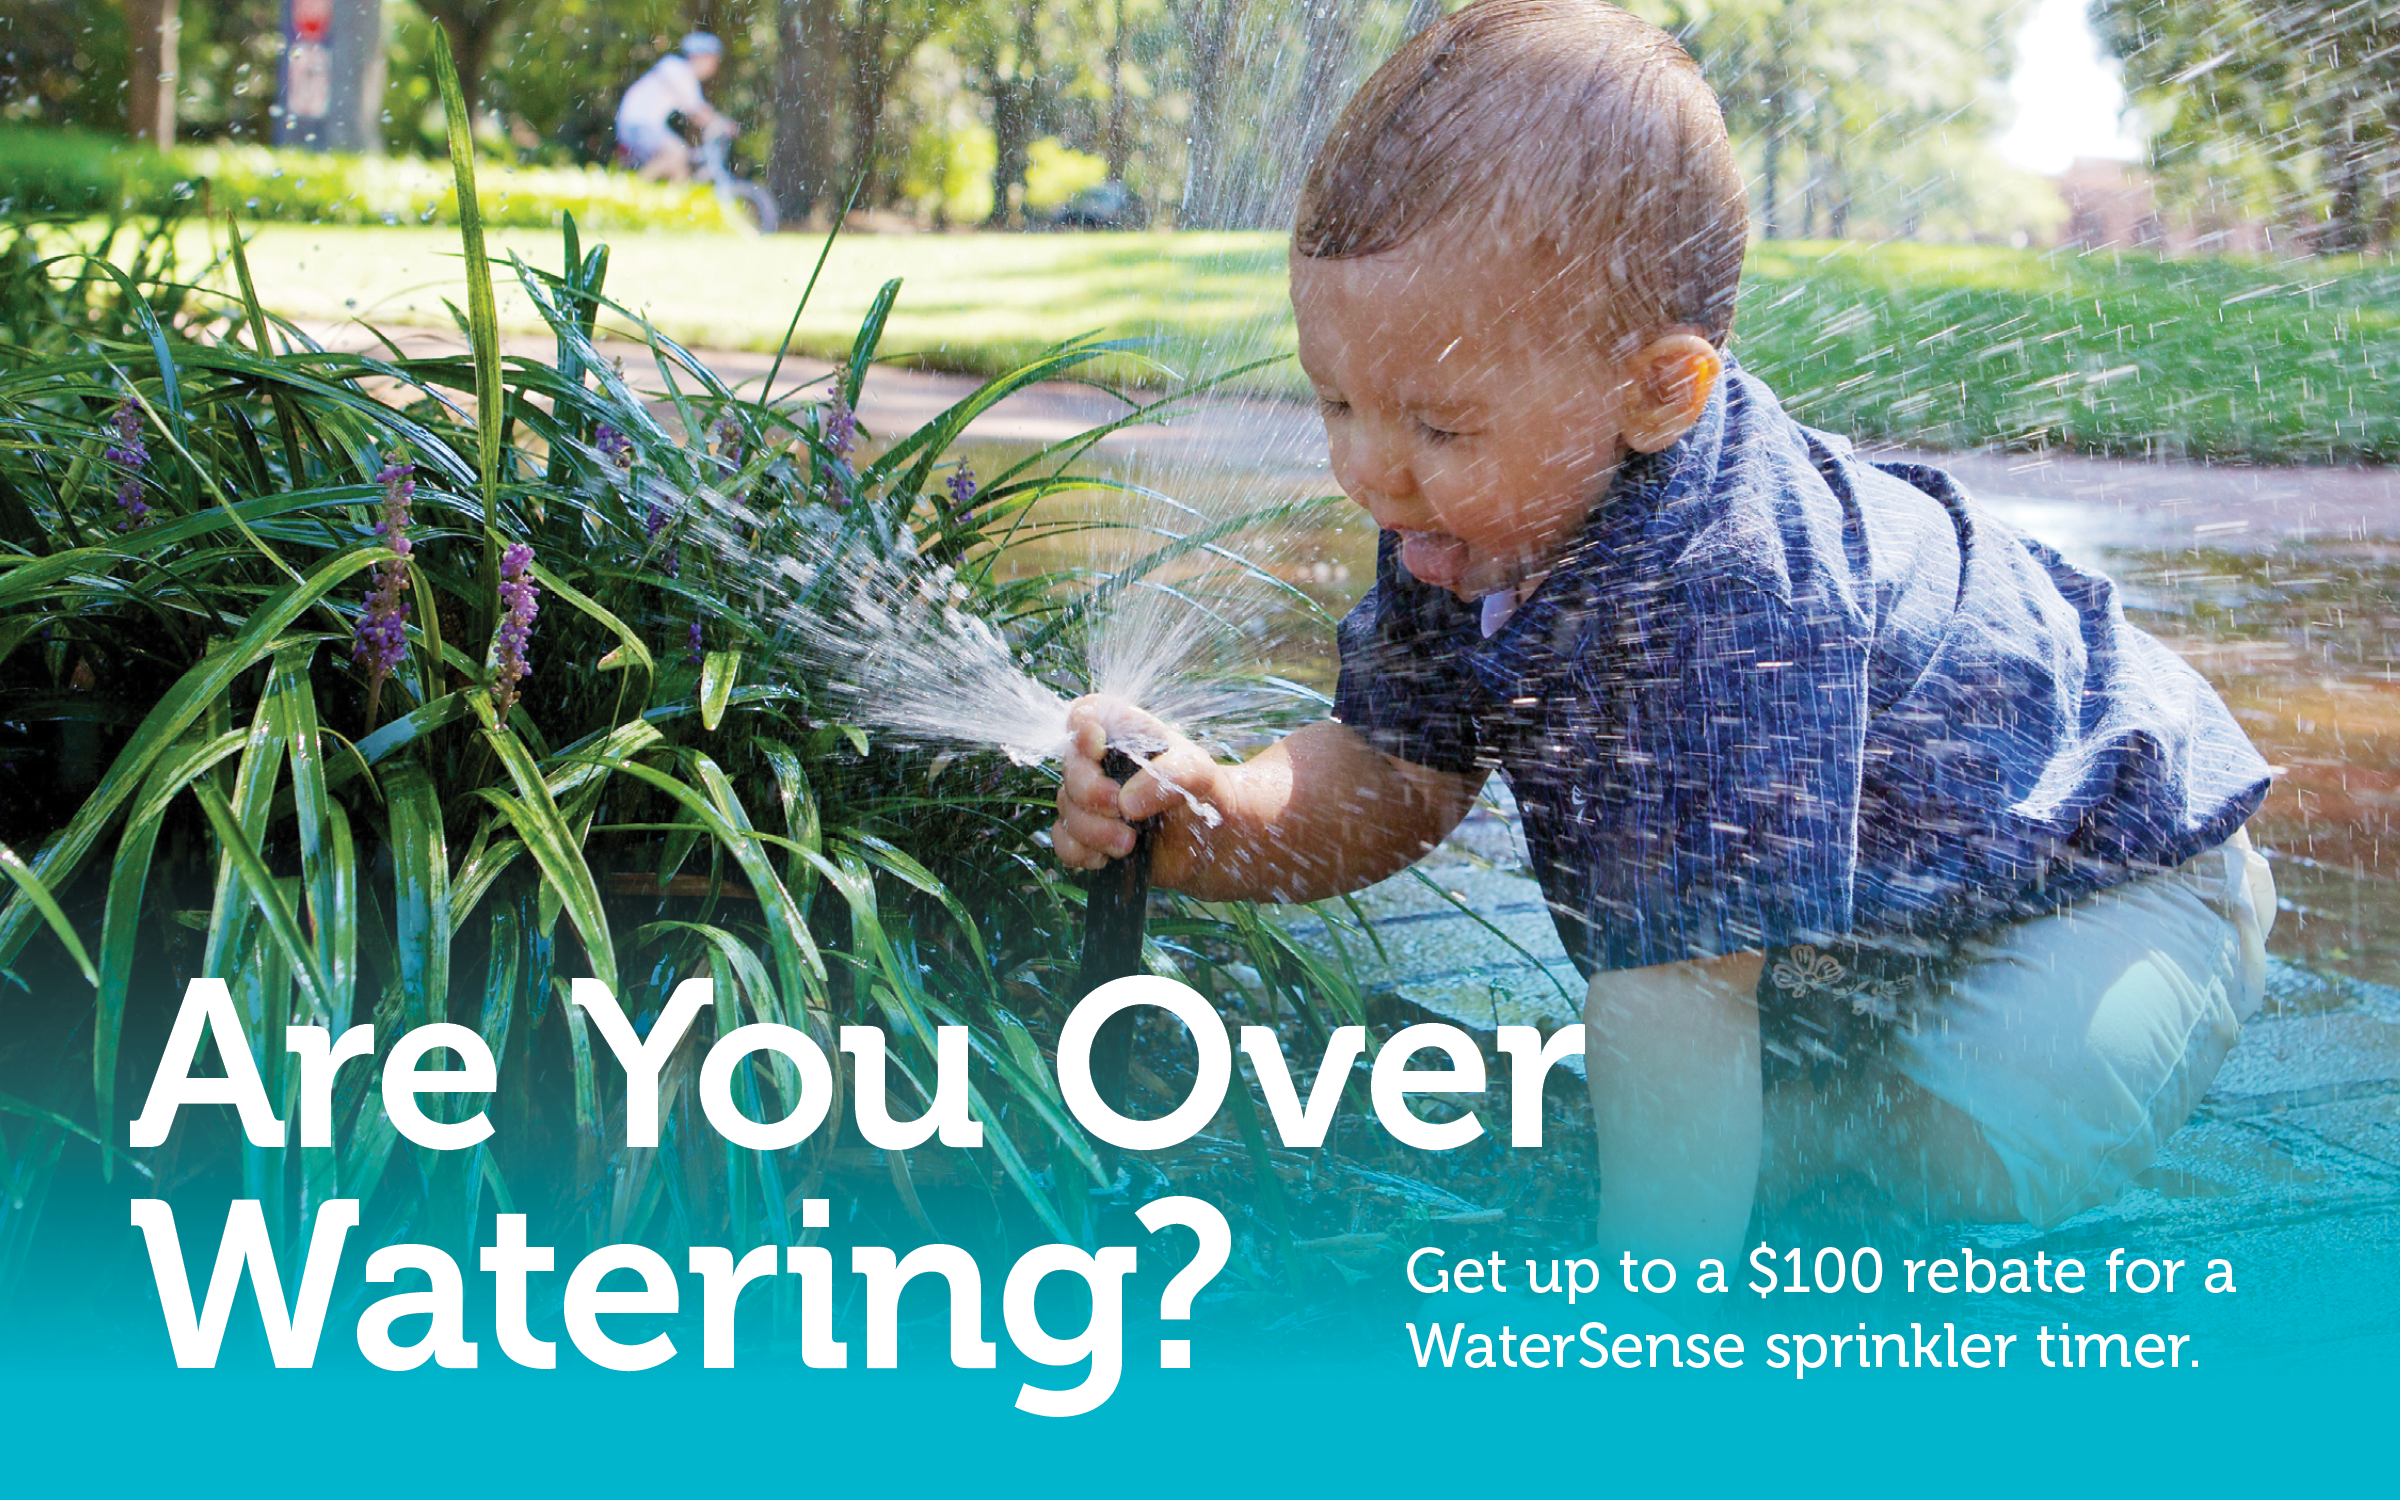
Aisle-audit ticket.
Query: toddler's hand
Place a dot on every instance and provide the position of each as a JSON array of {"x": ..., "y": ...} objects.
[{"x": 1096, "y": 815}]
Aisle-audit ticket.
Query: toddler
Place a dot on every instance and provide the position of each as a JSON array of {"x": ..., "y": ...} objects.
[{"x": 1892, "y": 852}]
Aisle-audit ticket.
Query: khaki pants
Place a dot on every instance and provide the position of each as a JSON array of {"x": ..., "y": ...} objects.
[{"x": 2077, "y": 1042}]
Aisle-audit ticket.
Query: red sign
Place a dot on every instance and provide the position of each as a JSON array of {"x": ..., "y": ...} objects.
[{"x": 312, "y": 20}]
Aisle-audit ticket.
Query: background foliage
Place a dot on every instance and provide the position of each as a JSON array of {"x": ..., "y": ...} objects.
[
  {"x": 949, "y": 110},
  {"x": 76, "y": 173},
  {"x": 2289, "y": 112}
]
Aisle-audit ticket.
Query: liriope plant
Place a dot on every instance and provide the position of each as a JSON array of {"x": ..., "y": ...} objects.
[{"x": 398, "y": 689}]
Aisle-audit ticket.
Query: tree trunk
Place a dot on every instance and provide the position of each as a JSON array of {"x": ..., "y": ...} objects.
[
  {"x": 2344, "y": 216},
  {"x": 157, "y": 25},
  {"x": 1770, "y": 208},
  {"x": 879, "y": 52},
  {"x": 870, "y": 81},
  {"x": 1330, "y": 31},
  {"x": 1012, "y": 139},
  {"x": 1016, "y": 101},
  {"x": 800, "y": 173},
  {"x": 1770, "y": 186},
  {"x": 2379, "y": 241},
  {"x": 1209, "y": 31},
  {"x": 1119, "y": 146},
  {"x": 472, "y": 26},
  {"x": 1837, "y": 206}
]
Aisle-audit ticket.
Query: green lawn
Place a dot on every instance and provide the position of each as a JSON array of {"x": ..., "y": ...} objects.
[{"x": 1938, "y": 345}]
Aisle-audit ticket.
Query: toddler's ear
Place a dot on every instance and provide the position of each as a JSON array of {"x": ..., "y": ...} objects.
[{"x": 1667, "y": 385}]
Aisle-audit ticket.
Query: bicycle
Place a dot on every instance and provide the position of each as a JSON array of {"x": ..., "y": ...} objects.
[
  {"x": 709, "y": 165},
  {"x": 751, "y": 203}
]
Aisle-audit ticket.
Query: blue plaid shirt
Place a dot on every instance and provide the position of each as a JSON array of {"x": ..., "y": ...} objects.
[{"x": 1777, "y": 694}]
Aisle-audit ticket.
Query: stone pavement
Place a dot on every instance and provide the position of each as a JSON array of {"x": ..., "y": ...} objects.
[
  {"x": 2082, "y": 505},
  {"x": 2290, "y": 1167}
]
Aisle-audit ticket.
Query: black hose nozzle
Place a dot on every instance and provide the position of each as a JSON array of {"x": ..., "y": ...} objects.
[{"x": 1114, "y": 913}]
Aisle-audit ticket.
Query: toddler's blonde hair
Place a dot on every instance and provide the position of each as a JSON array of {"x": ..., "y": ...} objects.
[{"x": 1569, "y": 129}]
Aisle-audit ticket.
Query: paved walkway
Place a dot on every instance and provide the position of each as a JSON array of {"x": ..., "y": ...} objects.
[
  {"x": 2080, "y": 504},
  {"x": 2290, "y": 1167}
]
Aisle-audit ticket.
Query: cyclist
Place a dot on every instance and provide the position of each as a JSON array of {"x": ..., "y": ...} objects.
[{"x": 646, "y": 141}]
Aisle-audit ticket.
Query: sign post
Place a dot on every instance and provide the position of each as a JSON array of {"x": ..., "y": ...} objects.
[{"x": 331, "y": 97}]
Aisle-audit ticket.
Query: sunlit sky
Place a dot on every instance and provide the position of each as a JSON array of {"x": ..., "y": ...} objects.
[{"x": 2066, "y": 91}]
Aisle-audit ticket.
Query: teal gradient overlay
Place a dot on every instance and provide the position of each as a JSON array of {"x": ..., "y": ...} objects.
[
  {"x": 1273, "y": 1429},
  {"x": 2294, "y": 1384}
]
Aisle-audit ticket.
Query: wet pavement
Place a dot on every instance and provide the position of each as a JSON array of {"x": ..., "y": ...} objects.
[{"x": 2289, "y": 1167}]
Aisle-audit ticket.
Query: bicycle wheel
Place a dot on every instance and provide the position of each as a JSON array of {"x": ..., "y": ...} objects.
[{"x": 757, "y": 208}]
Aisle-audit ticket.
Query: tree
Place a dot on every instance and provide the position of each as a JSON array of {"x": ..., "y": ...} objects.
[
  {"x": 155, "y": 28},
  {"x": 64, "y": 64},
  {"x": 1209, "y": 30},
  {"x": 806, "y": 96},
  {"x": 1878, "y": 102},
  {"x": 879, "y": 40},
  {"x": 2284, "y": 109},
  {"x": 472, "y": 26},
  {"x": 1021, "y": 56},
  {"x": 1118, "y": 142}
]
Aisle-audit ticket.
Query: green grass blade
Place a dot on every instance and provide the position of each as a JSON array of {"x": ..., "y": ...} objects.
[
  {"x": 120, "y": 923},
  {"x": 294, "y": 469},
  {"x": 293, "y": 702},
  {"x": 371, "y": 1143},
  {"x": 635, "y": 652},
  {"x": 421, "y": 879},
  {"x": 177, "y": 711},
  {"x": 39, "y": 894},
  {"x": 477, "y": 874},
  {"x": 338, "y": 921},
  {"x": 736, "y": 957},
  {"x": 10, "y": 1104},
  {"x": 870, "y": 335},
  {"x": 483, "y": 317},
  {"x": 801, "y": 819},
  {"x": 411, "y": 727},
  {"x": 254, "y": 780},
  {"x": 282, "y": 927},
  {"x": 884, "y": 856},
  {"x": 767, "y": 391},
  {"x": 718, "y": 672},
  {"x": 801, "y": 969},
  {"x": 554, "y": 847}
]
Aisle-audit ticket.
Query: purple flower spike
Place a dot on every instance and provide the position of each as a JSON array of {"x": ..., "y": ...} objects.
[
  {"x": 654, "y": 521},
  {"x": 519, "y": 603},
  {"x": 841, "y": 484},
  {"x": 729, "y": 441},
  {"x": 128, "y": 449},
  {"x": 699, "y": 652},
  {"x": 838, "y": 426},
  {"x": 614, "y": 446},
  {"x": 962, "y": 487},
  {"x": 381, "y": 640},
  {"x": 129, "y": 452}
]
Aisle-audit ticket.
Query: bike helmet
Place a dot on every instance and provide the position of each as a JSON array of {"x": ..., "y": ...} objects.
[{"x": 700, "y": 43}]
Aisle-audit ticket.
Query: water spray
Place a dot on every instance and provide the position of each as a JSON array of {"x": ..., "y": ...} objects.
[{"x": 889, "y": 640}]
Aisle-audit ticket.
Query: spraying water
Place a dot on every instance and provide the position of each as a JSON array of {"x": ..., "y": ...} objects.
[{"x": 1160, "y": 612}]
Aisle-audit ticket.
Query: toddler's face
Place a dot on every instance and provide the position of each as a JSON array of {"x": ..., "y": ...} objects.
[{"x": 1460, "y": 413}]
